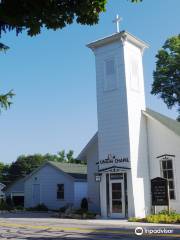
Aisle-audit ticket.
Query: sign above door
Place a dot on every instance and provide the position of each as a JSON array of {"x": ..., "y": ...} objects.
[{"x": 113, "y": 163}]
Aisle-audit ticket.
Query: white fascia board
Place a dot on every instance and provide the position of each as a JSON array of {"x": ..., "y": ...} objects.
[{"x": 122, "y": 36}]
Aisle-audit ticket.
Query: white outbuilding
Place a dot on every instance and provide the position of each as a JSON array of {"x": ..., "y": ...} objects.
[
  {"x": 133, "y": 144},
  {"x": 56, "y": 185}
]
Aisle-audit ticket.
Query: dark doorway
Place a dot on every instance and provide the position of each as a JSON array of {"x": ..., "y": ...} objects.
[{"x": 18, "y": 200}]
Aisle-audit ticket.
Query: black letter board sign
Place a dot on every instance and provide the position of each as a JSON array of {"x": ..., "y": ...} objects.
[{"x": 159, "y": 191}]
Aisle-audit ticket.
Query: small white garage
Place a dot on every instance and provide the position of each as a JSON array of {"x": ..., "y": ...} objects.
[
  {"x": 15, "y": 192},
  {"x": 56, "y": 185}
]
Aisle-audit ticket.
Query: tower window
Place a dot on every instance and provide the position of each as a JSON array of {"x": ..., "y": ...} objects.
[
  {"x": 110, "y": 81},
  {"x": 110, "y": 67}
]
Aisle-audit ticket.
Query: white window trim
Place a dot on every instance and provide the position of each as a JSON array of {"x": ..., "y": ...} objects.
[
  {"x": 60, "y": 199},
  {"x": 174, "y": 175}
]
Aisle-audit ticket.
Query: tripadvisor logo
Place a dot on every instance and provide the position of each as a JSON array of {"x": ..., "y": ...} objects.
[{"x": 139, "y": 231}]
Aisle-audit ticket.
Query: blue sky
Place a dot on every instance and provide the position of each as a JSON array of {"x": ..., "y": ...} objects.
[{"x": 53, "y": 76}]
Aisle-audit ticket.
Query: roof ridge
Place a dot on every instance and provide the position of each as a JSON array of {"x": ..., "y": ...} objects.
[
  {"x": 163, "y": 115},
  {"x": 170, "y": 123},
  {"x": 67, "y": 163},
  {"x": 70, "y": 168}
]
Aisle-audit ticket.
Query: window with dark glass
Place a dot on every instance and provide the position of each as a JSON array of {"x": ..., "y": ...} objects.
[
  {"x": 110, "y": 81},
  {"x": 167, "y": 172},
  {"x": 60, "y": 191}
]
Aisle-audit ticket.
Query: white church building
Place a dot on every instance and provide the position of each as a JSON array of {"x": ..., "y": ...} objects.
[{"x": 133, "y": 144}]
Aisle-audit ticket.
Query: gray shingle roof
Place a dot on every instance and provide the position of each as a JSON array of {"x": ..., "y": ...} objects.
[
  {"x": 170, "y": 123},
  {"x": 78, "y": 171}
]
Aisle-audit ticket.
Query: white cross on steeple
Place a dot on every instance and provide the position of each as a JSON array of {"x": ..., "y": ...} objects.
[{"x": 117, "y": 20}]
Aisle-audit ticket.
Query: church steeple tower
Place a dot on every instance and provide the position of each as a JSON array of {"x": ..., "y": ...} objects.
[
  {"x": 120, "y": 90},
  {"x": 120, "y": 101}
]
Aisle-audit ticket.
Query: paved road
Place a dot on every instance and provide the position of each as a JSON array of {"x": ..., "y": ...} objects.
[{"x": 52, "y": 229}]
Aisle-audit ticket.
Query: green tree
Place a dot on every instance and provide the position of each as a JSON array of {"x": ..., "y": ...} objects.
[
  {"x": 24, "y": 165},
  {"x": 167, "y": 74},
  {"x": 69, "y": 157},
  {"x": 1, "y": 171},
  {"x": 61, "y": 156},
  {"x": 3, "y": 47},
  {"x": 33, "y": 15},
  {"x": 5, "y": 99},
  {"x": 50, "y": 157},
  {"x": 4, "y": 168}
]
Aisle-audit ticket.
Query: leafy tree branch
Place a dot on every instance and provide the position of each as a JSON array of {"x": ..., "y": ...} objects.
[
  {"x": 167, "y": 74},
  {"x": 33, "y": 15},
  {"x": 5, "y": 100},
  {"x": 3, "y": 47}
]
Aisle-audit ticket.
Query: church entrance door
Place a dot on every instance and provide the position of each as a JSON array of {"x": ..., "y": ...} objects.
[{"x": 117, "y": 200}]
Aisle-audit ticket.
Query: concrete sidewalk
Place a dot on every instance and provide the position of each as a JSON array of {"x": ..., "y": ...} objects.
[
  {"x": 47, "y": 218},
  {"x": 124, "y": 223}
]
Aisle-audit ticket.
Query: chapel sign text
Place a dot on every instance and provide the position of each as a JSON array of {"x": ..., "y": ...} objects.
[{"x": 113, "y": 161}]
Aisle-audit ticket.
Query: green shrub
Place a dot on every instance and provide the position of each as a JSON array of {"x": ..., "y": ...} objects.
[
  {"x": 63, "y": 209},
  {"x": 5, "y": 206},
  {"x": 161, "y": 217},
  {"x": 19, "y": 207},
  {"x": 133, "y": 219},
  {"x": 80, "y": 211},
  {"x": 166, "y": 212},
  {"x": 40, "y": 208},
  {"x": 164, "y": 218},
  {"x": 90, "y": 215},
  {"x": 87, "y": 214},
  {"x": 9, "y": 201}
]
